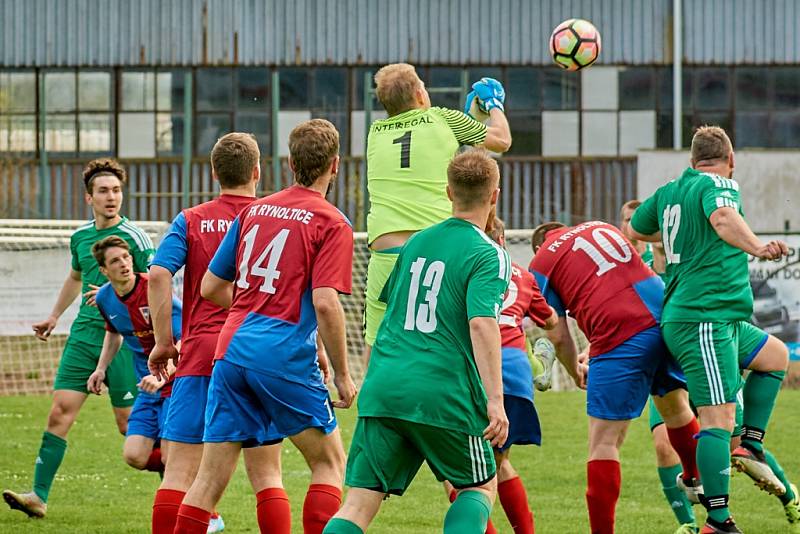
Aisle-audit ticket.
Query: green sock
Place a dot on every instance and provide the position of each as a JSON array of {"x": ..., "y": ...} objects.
[
  {"x": 789, "y": 496},
  {"x": 760, "y": 391},
  {"x": 468, "y": 514},
  {"x": 676, "y": 498},
  {"x": 338, "y": 525},
  {"x": 50, "y": 455},
  {"x": 714, "y": 464}
]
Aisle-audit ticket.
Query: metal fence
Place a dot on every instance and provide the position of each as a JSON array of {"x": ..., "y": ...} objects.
[{"x": 534, "y": 190}]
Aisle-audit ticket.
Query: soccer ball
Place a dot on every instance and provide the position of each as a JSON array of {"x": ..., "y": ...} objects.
[{"x": 575, "y": 44}]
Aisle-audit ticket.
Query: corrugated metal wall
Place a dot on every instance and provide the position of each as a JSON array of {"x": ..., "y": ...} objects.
[{"x": 282, "y": 32}]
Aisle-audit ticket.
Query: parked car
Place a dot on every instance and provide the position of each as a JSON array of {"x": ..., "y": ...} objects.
[{"x": 770, "y": 314}]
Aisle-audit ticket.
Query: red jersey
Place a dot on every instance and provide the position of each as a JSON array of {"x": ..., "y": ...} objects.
[
  {"x": 594, "y": 272},
  {"x": 277, "y": 251},
  {"x": 192, "y": 241},
  {"x": 523, "y": 299}
]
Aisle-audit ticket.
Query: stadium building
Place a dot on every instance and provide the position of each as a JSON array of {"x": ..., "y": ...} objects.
[{"x": 155, "y": 83}]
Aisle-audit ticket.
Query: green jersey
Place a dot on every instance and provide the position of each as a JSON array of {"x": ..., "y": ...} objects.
[
  {"x": 407, "y": 159},
  {"x": 422, "y": 368},
  {"x": 647, "y": 255},
  {"x": 89, "y": 320},
  {"x": 707, "y": 279}
]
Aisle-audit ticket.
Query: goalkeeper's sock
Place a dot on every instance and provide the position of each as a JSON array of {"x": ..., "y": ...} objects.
[
  {"x": 676, "y": 497},
  {"x": 338, "y": 525},
  {"x": 773, "y": 464},
  {"x": 51, "y": 453},
  {"x": 321, "y": 503},
  {"x": 683, "y": 441},
  {"x": 714, "y": 461},
  {"x": 489, "y": 526},
  {"x": 192, "y": 520},
  {"x": 514, "y": 500},
  {"x": 154, "y": 462},
  {"x": 273, "y": 511},
  {"x": 165, "y": 510},
  {"x": 759, "y": 393},
  {"x": 468, "y": 514},
  {"x": 604, "y": 481}
]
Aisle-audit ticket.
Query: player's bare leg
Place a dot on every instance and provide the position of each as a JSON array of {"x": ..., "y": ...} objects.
[
  {"x": 140, "y": 453},
  {"x": 63, "y": 411},
  {"x": 263, "y": 465},
  {"x": 359, "y": 509},
  {"x": 759, "y": 393},
  {"x": 121, "y": 418},
  {"x": 512, "y": 494},
  {"x": 180, "y": 471},
  {"x": 325, "y": 456},
  {"x": 603, "y": 472},
  {"x": 216, "y": 469},
  {"x": 681, "y": 428}
]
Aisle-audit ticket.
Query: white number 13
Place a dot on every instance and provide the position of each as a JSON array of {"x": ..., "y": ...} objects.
[{"x": 424, "y": 316}]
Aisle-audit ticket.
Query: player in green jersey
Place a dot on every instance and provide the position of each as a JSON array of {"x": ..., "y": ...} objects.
[
  {"x": 104, "y": 180},
  {"x": 707, "y": 305},
  {"x": 441, "y": 335},
  {"x": 407, "y": 157}
]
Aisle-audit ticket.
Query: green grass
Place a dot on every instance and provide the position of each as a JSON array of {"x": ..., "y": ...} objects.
[{"x": 96, "y": 492}]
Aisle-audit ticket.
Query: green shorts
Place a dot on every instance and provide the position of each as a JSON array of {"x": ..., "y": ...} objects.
[
  {"x": 386, "y": 454},
  {"x": 78, "y": 362},
  {"x": 711, "y": 355},
  {"x": 378, "y": 270}
]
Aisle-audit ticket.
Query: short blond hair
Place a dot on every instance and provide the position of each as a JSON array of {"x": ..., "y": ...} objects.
[
  {"x": 312, "y": 146},
  {"x": 472, "y": 176},
  {"x": 710, "y": 143},
  {"x": 234, "y": 157},
  {"x": 396, "y": 85}
]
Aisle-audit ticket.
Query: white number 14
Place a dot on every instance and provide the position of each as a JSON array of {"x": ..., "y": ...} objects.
[{"x": 272, "y": 255}]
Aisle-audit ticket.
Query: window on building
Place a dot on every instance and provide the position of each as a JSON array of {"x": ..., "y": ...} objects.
[
  {"x": 151, "y": 113},
  {"x": 17, "y": 111}
]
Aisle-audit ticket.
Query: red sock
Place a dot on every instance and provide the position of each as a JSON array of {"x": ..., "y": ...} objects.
[
  {"x": 604, "y": 481},
  {"x": 154, "y": 462},
  {"x": 273, "y": 511},
  {"x": 515, "y": 503},
  {"x": 322, "y": 502},
  {"x": 192, "y": 520},
  {"x": 489, "y": 526},
  {"x": 165, "y": 510},
  {"x": 683, "y": 441}
]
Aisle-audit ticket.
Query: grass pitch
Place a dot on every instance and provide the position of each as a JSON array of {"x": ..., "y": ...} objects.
[{"x": 95, "y": 492}]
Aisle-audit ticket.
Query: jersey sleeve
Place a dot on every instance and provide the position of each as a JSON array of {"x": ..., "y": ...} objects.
[
  {"x": 177, "y": 309},
  {"x": 143, "y": 255},
  {"x": 645, "y": 218},
  {"x": 223, "y": 264},
  {"x": 538, "y": 310},
  {"x": 547, "y": 290},
  {"x": 73, "y": 251},
  {"x": 488, "y": 283},
  {"x": 333, "y": 265},
  {"x": 171, "y": 253},
  {"x": 720, "y": 193},
  {"x": 467, "y": 130}
]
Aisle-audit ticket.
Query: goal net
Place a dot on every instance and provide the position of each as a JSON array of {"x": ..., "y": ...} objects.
[{"x": 35, "y": 260}]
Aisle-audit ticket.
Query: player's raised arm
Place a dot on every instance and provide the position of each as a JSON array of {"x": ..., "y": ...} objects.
[
  {"x": 490, "y": 97},
  {"x": 69, "y": 292}
]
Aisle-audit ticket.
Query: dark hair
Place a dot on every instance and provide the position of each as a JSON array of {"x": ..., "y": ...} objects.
[
  {"x": 540, "y": 233},
  {"x": 103, "y": 167},
  {"x": 234, "y": 157},
  {"x": 312, "y": 146},
  {"x": 100, "y": 247}
]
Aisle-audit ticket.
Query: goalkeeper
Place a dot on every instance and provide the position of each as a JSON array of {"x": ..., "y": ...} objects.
[{"x": 407, "y": 158}]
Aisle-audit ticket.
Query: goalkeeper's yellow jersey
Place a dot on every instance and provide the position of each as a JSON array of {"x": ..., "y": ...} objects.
[{"x": 407, "y": 158}]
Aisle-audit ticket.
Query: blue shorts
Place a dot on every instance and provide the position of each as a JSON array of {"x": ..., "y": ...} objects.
[
  {"x": 523, "y": 422},
  {"x": 620, "y": 380},
  {"x": 185, "y": 420},
  {"x": 147, "y": 416},
  {"x": 255, "y": 408},
  {"x": 517, "y": 373}
]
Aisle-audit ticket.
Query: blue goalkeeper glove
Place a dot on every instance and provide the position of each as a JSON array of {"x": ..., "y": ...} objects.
[
  {"x": 472, "y": 95},
  {"x": 490, "y": 94}
]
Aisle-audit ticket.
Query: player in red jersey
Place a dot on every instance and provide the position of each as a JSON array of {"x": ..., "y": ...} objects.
[
  {"x": 279, "y": 270},
  {"x": 122, "y": 302},
  {"x": 190, "y": 244},
  {"x": 592, "y": 271}
]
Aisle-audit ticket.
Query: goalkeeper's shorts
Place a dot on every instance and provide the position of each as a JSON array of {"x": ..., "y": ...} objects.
[
  {"x": 620, "y": 380},
  {"x": 78, "y": 362},
  {"x": 386, "y": 454},
  {"x": 380, "y": 267}
]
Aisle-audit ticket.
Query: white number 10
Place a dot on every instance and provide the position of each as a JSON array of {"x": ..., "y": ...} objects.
[
  {"x": 600, "y": 236},
  {"x": 272, "y": 254}
]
